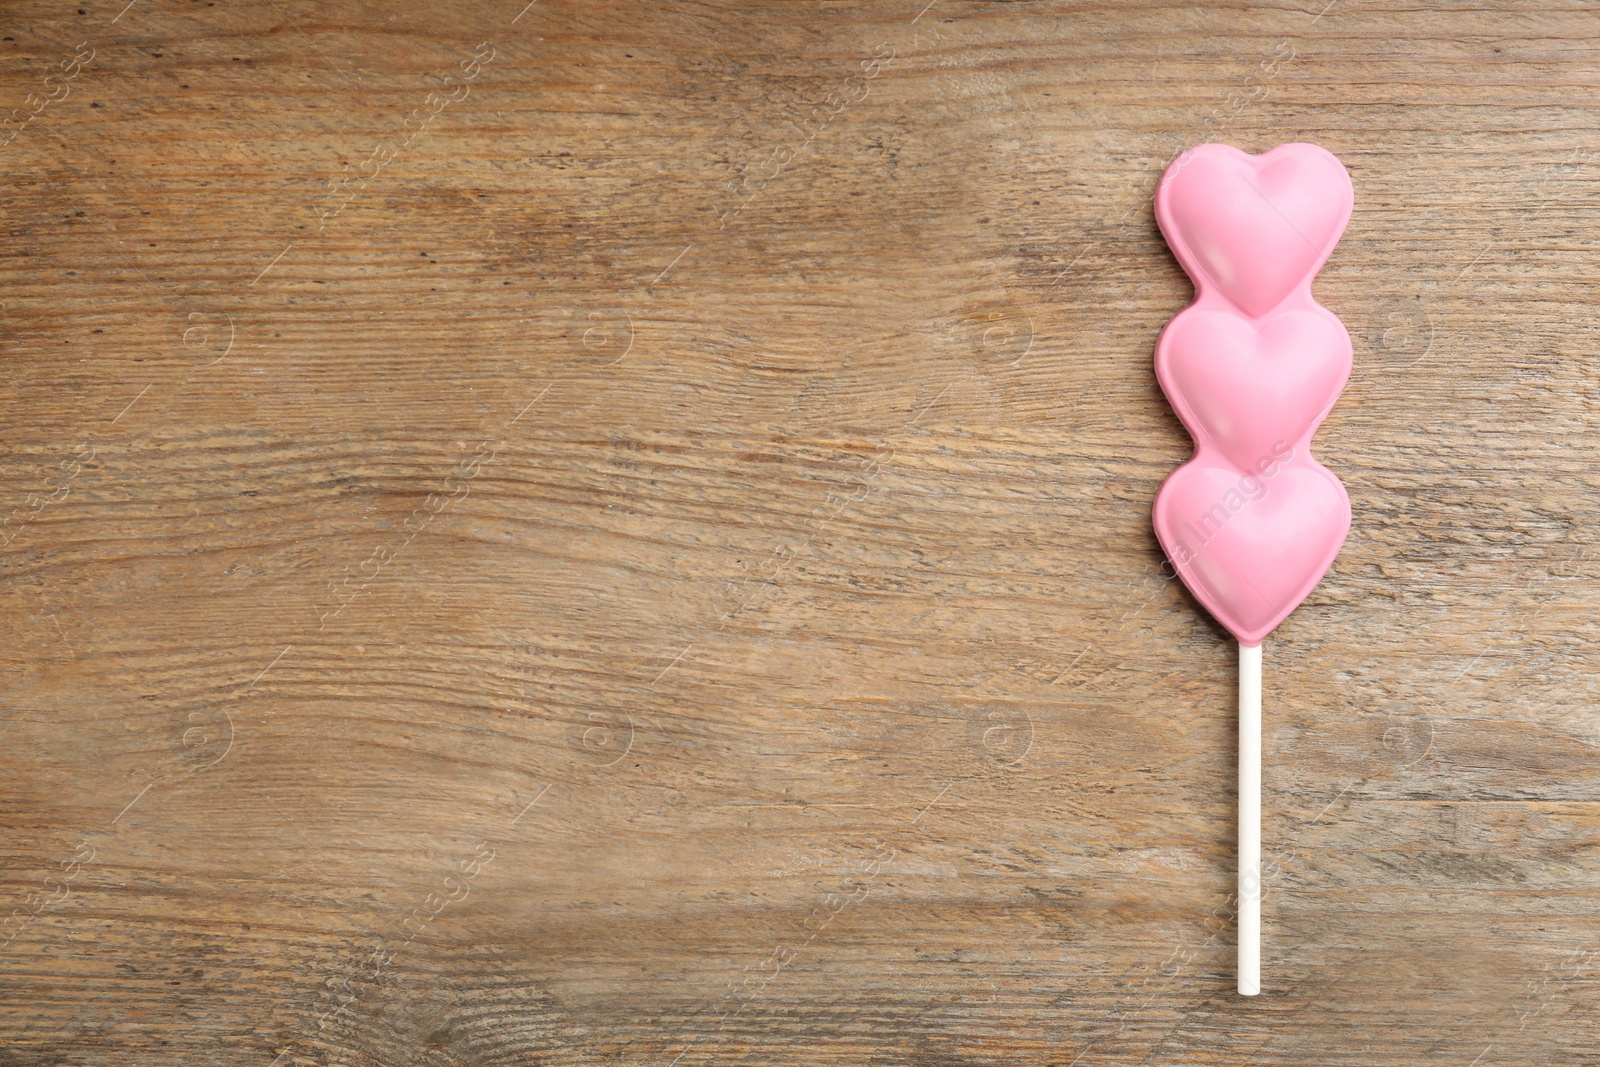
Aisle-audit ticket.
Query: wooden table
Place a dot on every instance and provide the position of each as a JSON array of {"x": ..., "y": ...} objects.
[{"x": 618, "y": 534}]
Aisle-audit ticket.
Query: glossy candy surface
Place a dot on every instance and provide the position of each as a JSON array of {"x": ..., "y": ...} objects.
[{"x": 1252, "y": 367}]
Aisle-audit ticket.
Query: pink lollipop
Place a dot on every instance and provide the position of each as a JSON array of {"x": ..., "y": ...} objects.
[{"x": 1252, "y": 367}]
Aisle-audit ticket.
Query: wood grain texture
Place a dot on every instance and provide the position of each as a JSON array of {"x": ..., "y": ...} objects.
[{"x": 617, "y": 534}]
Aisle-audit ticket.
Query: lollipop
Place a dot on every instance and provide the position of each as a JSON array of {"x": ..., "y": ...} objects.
[{"x": 1252, "y": 367}]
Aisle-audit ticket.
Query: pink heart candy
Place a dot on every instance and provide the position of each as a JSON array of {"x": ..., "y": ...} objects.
[
  {"x": 1251, "y": 547},
  {"x": 1253, "y": 227},
  {"x": 1252, "y": 367},
  {"x": 1227, "y": 375}
]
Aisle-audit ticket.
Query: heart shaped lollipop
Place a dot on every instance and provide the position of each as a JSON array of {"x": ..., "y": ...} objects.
[{"x": 1252, "y": 367}]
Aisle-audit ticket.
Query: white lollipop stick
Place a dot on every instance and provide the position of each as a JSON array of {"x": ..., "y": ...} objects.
[{"x": 1249, "y": 820}]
